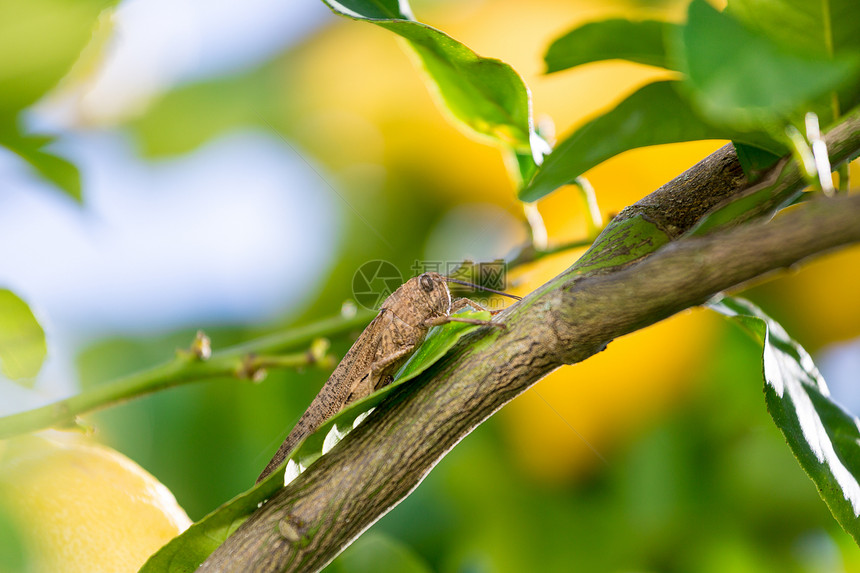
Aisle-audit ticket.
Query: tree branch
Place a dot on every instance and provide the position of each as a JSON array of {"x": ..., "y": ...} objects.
[
  {"x": 241, "y": 361},
  {"x": 567, "y": 320},
  {"x": 718, "y": 179}
]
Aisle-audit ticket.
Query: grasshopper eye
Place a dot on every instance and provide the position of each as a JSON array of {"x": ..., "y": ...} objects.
[{"x": 426, "y": 283}]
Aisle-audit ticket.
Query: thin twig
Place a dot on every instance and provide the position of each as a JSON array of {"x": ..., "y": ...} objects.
[
  {"x": 243, "y": 361},
  {"x": 529, "y": 254}
]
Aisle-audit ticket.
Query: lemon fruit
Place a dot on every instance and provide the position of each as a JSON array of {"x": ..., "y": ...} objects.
[{"x": 69, "y": 504}]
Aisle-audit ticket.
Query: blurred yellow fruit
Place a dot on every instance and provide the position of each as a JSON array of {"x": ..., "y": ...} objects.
[
  {"x": 577, "y": 415},
  {"x": 80, "y": 506}
]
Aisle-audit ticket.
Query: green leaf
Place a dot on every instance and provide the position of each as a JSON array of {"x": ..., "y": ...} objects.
[
  {"x": 483, "y": 95},
  {"x": 758, "y": 201},
  {"x": 761, "y": 201},
  {"x": 620, "y": 39},
  {"x": 187, "y": 551},
  {"x": 740, "y": 78},
  {"x": 823, "y": 437},
  {"x": 826, "y": 28},
  {"x": 39, "y": 42},
  {"x": 31, "y": 148},
  {"x": 654, "y": 115},
  {"x": 372, "y": 9},
  {"x": 821, "y": 27},
  {"x": 22, "y": 340},
  {"x": 754, "y": 161}
]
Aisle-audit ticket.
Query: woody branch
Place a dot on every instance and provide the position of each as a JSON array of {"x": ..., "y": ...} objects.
[{"x": 306, "y": 524}]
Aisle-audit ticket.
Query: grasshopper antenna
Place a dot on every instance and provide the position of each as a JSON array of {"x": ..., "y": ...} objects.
[{"x": 479, "y": 287}]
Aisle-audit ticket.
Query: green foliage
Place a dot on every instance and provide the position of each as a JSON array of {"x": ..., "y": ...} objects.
[
  {"x": 738, "y": 83},
  {"x": 484, "y": 95},
  {"x": 640, "y": 41},
  {"x": 754, "y": 160},
  {"x": 724, "y": 92},
  {"x": 186, "y": 552},
  {"x": 39, "y": 42},
  {"x": 22, "y": 340},
  {"x": 655, "y": 114},
  {"x": 31, "y": 148},
  {"x": 737, "y": 77},
  {"x": 823, "y": 28},
  {"x": 759, "y": 199},
  {"x": 824, "y": 438},
  {"x": 372, "y": 9},
  {"x": 815, "y": 26}
]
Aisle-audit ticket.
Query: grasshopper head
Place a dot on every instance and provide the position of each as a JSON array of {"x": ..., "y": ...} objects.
[{"x": 420, "y": 298}]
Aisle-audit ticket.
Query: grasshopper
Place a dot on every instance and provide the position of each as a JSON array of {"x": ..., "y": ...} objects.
[{"x": 397, "y": 331}]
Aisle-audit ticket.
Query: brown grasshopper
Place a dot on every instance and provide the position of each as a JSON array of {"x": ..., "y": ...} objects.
[{"x": 396, "y": 332}]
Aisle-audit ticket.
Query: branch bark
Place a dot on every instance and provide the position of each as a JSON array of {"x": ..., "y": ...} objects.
[{"x": 565, "y": 321}]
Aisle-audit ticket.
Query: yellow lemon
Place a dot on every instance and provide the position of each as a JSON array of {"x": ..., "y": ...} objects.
[{"x": 69, "y": 504}]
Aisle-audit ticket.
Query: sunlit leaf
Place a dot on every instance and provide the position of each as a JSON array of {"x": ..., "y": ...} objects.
[
  {"x": 372, "y": 9},
  {"x": 31, "y": 148},
  {"x": 754, "y": 160},
  {"x": 22, "y": 340},
  {"x": 759, "y": 201},
  {"x": 635, "y": 41},
  {"x": 39, "y": 42},
  {"x": 817, "y": 26},
  {"x": 187, "y": 551},
  {"x": 654, "y": 115},
  {"x": 484, "y": 95},
  {"x": 826, "y": 28},
  {"x": 740, "y": 78},
  {"x": 823, "y": 436}
]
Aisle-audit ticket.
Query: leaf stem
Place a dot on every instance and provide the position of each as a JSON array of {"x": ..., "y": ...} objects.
[
  {"x": 594, "y": 220},
  {"x": 529, "y": 254},
  {"x": 244, "y": 361},
  {"x": 802, "y": 152},
  {"x": 537, "y": 229}
]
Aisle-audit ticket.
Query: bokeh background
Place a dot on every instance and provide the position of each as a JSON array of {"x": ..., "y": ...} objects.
[{"x": 241, "y": 160}]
